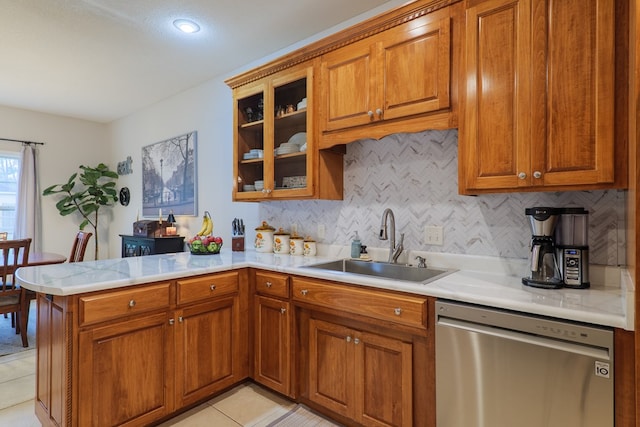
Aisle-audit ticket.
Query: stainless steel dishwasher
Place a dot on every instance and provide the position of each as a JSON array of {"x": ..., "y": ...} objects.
[{"x": 497, "y": 368}]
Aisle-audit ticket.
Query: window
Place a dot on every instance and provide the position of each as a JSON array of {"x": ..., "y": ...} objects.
[{"x": 9, "y": 174}]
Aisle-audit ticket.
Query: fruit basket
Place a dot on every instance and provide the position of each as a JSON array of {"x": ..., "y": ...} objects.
[{"x": 204, "y": 243}]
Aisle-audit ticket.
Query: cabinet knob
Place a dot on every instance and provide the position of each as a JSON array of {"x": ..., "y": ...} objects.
[
  {"x": 379, "y": 112},
  {"x": 283, "y": 310},
  {"x": 356, "y": 341},
  {"x": 268, "y": 284},
  {"x": 522, "y": 175},
  {"x": 304, "y": 291},
  {"x": 171, "y": 321},
  {"x": 212, "y": 287},
  {"x": 397, "y": 311},
  {"x": 348, "y": 338},
  {"x": 537, "y": 174},
  {"x": 180, "y": 319},
  {"x": 370, "y": 113},
  {"x": 132, "y": 303}
]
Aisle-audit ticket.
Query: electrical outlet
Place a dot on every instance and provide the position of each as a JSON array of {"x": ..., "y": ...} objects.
[
  {"x": 321, "y": 231},
  {"x": 433, "y": 235}
]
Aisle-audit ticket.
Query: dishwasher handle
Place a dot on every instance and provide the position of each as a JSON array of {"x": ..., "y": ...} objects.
[{"x": 585, "y": 350}]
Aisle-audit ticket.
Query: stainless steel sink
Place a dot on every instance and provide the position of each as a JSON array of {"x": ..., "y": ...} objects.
[{"x": 385, "y": 270}]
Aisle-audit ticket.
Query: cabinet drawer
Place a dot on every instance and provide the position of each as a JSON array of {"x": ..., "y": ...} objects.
[
  {"x": 381, "y": 305},
  {"x": 113, "y": 305},
  {"x": 200, "y": 288},
  {"x": 272, "y": 284}
]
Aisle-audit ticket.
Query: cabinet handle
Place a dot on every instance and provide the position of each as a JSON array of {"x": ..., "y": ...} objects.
[
  {"x": 171, "y": 321},
  {"x": 180, "y": 319},
  {"x": 283, "y": 310},
  {"x": 379, "y": 112},
  {"x": 356, "y": 341},
  {"x": 132, "y": 303},
  {"x": 522, "y": 175},
  {"x": 304, "y": 291},
  {"x": 348, "y": 338},
  {"x": 537, "y": 175},
  {"x": 268, "y": 284},
  {"x": 370, "y": 113},
  {"x": 212, "y": 287},
  {"x": 397, "y": 311}
]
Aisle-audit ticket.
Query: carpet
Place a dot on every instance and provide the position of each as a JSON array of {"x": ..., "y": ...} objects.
[
  {"x": 10, "y": 342},
  {"x": 301, "y": 416}
]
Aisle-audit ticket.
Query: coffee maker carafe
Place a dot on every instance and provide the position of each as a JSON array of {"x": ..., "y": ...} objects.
[{"x": 543, "y": 264}]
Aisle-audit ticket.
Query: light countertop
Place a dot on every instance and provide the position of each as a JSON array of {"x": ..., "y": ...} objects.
[{"x": 482, "y": 280}]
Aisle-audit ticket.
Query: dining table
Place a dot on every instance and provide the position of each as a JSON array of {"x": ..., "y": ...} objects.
[{"x": 45, "y": 258}]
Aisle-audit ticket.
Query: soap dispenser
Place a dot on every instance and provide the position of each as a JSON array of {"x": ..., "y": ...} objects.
[{"x": 356, "y": 246}]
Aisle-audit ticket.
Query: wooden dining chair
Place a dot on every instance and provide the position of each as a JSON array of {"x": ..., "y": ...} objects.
[
  {"x": 14, "y": 254},
  {"x": 79, "y": 246}
]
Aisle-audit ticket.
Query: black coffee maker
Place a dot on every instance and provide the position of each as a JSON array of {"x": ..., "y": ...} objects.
[{"x": 544, "y": 266}]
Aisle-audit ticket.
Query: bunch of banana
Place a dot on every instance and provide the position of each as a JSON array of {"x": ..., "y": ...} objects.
[{"x": 207, "y": 225}]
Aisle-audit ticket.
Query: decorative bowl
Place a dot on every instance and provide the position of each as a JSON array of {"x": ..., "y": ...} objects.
[{"x": 210, "y": 249}]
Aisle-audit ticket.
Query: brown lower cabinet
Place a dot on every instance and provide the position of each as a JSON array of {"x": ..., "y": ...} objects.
[
  {"x": 135, "y": 356},
  {"x": 360, "y": 375},
  {"x": 365, "y": 356}
]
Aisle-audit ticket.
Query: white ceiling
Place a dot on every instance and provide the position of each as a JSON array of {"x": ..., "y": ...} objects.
[{"x": 101, "y": 60}]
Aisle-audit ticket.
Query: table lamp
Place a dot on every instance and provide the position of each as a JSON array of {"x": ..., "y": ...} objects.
[{"x": 171, "y": 229}]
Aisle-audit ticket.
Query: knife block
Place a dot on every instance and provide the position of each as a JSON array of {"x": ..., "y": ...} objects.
[{"x": 237, "y": 244}]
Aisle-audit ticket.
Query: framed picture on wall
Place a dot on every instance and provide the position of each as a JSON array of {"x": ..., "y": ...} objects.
[{"x": 169, "y": 176}]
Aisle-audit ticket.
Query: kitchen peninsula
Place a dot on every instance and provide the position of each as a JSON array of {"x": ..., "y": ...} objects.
[{"x": 146, "y": 329}]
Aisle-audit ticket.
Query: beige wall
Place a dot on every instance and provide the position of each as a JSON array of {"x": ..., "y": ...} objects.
[{"x": 69, "y": 143}]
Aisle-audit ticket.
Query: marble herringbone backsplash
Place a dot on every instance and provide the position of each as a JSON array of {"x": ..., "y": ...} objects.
[{"x": 416, "y": 175}]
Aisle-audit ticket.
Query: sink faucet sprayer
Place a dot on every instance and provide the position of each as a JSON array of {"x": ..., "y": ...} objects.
[{"x": 394, "y": 251}]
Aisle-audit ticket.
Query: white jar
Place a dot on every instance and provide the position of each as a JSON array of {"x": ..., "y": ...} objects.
[
  {"x": 264, "y": 238},
  {"x": 281, "y": 242},
  {"x": 309, "y": 247},
  {"x": 296, "y": 245}
]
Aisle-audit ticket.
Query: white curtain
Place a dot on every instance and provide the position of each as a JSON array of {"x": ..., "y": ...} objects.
[{"x": 28, "y": 212}]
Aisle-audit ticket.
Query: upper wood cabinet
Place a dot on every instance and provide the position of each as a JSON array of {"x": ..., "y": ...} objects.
[
  {"x": 396, "y": 73},
  {"x": 267, "y": 113},
  {"x": 372, "y": 86},
  {"x": 540, "y": 99}
]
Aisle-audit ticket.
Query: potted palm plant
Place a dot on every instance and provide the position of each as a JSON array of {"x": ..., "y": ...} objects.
[{"x": 97, "y": 188}]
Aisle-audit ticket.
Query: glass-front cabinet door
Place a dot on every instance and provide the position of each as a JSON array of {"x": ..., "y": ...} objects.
[
  {"x": 274, "y": 137},
  {"x": 250, "y": 140},
  {"x": 292, "y": 134}
]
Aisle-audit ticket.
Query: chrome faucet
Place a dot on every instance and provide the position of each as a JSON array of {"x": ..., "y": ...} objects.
[{"x": 394, "y": 251}]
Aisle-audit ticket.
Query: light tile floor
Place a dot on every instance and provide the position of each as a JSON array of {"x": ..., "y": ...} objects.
[{"x": 245, "y": 405}]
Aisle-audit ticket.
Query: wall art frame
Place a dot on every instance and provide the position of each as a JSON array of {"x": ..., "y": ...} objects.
[{"x": 169, "y": 176}]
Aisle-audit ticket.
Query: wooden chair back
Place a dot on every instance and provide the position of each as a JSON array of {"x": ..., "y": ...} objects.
[
  {"x": 13, "y": 254},
  {"x": 79, "y": 246}
]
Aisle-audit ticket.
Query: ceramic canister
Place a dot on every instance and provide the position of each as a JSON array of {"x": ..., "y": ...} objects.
[
  {"x": 309, "y": 247},
  {"x": 264, "y": 238},
  {"x": 296, "y": 245},
  {"x": 281, "y": 242}
]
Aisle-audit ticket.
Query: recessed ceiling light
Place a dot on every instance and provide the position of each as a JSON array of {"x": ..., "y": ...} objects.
[{"x": 186, "y": 26}]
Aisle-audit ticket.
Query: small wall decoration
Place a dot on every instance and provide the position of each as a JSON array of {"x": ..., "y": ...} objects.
[
  {"x": 169, "y": 176},
  {"x": 124, "y": 167}
]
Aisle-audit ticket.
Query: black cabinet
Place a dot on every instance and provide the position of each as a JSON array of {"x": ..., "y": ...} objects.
[{"x": 140, "y": 246}]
